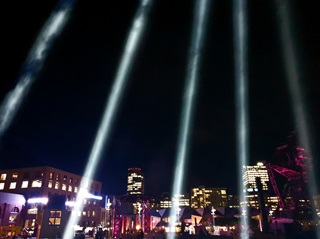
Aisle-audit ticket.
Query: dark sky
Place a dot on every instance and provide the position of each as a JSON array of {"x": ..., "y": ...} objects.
[{"x": 59, "y": 118}]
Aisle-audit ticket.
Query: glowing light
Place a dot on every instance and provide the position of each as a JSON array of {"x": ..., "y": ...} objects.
[
  {"x": 297, "y": 98},
  {"x": 131, "y": 46},
  {"x": 70, "y": 203},
  {"x": 198, "y": 33},
  {"x": 38, "y": 200},
  {"x": 34, "y": 63},
  {"x": 241, "y": 91}
]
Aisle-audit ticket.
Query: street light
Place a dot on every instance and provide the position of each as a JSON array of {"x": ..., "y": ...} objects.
[{"x": 212, "y": 213}]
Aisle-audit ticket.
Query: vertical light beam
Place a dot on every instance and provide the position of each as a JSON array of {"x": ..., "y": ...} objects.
[
  {"x": 33, "y": 65},
  {"x": 195, "y": 52},
  {"x": 241, "y": 102},
  {"x": 297, "y": 98},
  {"x": 126, "y": 63}
]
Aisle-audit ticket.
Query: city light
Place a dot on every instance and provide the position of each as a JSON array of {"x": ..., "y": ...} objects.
[
  {"x": 38, "y": 200},
  {"x": 198, "y": 32},
  {"x": 125, "y": 65},
  {"x": 241, "y": 102}
]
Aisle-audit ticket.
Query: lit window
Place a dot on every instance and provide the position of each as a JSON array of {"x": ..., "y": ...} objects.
[
  {"x": 70, "y": 188},
  {"x": 15, "y": 175},
  {"x": 1, "y": 186},
  {"x": 93, "y": 213},
  {"x": 13, "y": 185},
  {"x": 3, "y": 176},
  {"x": 57, "y": 177},
  {"x": 65, "y": 178},
  {"x": 33, "y": 210},
  {"x": 57, "y": 185},
  {"x": 75, "y": 189},
  {"x": 25, "y": 184},
  {"x": 55, "y": 218},
  {"x": 64, "y": 187},
  {"x": 70, "y": 180},
  {"x": 36, "y": 184},
  {"x": 51, "y": 175},
  {"x": 50, "y": 184}
]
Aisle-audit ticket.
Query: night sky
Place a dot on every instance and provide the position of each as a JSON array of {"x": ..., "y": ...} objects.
[{"x": 60, "y": 116}]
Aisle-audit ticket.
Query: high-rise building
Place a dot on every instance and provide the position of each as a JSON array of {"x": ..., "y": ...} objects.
[
  {"x": 202, "y": 197},
  {"x": 250, "y": 173},
  {"x": 249, "y": 176},
  {"x": 135, "y": 184}
]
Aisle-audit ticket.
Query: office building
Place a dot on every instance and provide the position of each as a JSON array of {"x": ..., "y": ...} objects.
[
  {"x": 39, "y": 185},
  {"x": 135, "y": 184},
  {"x": 202, "y": 197},
  {"x": 250, "y": 173}
]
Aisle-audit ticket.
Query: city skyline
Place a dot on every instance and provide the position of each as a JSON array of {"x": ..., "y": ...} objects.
[{"x": 59, "y": 117}]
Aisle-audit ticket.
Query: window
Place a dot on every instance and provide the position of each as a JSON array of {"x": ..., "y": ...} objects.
[
  {"x": 64, "y": 187},
  {"x": 65, "y": 178},
  {"x": 50, "y": 184},
  {"x": 55, "y": 218},
  {"x": 15, "y": 175},
  {"x": 57, "y": 185},
  {"x": 70, "y": 180},
  {"x": 51, "y": 175},
  {"x": 33, "y": 210},
  {"x": 25, "y": 184},
  {"x": 57, "y": 177},
  {"x": 3, "y": 176},
  {"x": 70, "y": 188},
  {"x": 13, "y": 185},
  {"x": 75, "y": 189},
  {"x": 36, "y": 184},
  {"x": 1, "y": 186}
]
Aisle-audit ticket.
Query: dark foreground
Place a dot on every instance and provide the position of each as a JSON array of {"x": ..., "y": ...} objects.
[{"x": 256, "y": 235}]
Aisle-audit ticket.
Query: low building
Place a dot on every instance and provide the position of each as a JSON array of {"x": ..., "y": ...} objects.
[{"x": 46, "y": 183}]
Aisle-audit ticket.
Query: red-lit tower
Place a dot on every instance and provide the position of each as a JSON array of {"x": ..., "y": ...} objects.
[{"x": 288, "y": 177}]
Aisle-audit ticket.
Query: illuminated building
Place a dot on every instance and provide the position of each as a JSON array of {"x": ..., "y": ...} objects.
[
  {"x": 181, "y": 200},
  {"x": 202, "y": 197},
  {"x": 165, "y": 201},
  {"x": 250, "y": 173},
  {"x": 135, "y": 184},
  {"x": 47, "y": 183}
]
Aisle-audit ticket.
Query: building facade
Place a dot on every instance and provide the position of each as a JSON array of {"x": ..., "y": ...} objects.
[
  {"x": 41, "y": 184},
  {"x": 250, "y": 173},
  {"x": 202, "y": 197},
  {"x": 135, "y": 183}
]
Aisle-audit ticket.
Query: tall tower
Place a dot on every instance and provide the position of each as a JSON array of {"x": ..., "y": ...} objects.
[
  {"x": 135, "y": 184},
  {"x": 250, "y": 173},
  {"x": 249, "y": 176}
]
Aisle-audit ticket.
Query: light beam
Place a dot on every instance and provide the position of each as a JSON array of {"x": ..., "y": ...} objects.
[
  {"x": 292, "y": 67},
  {"x": 103, "y": 133},
  {"x": 241, "y": 102},
  {"x": 33, "y": 65},
  {"x": 195, "y": 52}
]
